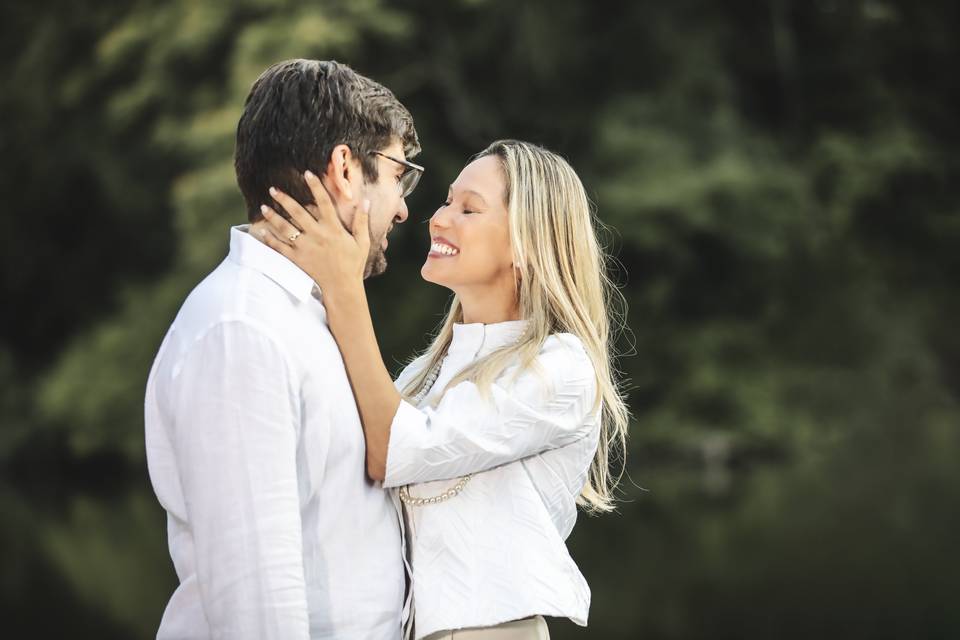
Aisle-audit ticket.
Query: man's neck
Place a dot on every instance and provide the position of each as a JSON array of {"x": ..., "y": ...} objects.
[{"x": 258, "y": 228}]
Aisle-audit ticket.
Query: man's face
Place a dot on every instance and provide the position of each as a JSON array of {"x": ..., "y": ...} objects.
[{"x": 387, "y": 208}]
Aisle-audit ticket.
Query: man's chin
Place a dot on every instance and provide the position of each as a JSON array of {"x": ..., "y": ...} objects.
[{"x": 376, "y": 264}]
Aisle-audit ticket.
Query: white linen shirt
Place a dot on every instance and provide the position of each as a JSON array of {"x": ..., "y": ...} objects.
[
  {"x": 256, "y": 452},
  {"x": 496, "y": 551}
]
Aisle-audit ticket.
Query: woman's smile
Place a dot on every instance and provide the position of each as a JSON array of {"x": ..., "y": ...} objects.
[{"x": 441, "y": 248}]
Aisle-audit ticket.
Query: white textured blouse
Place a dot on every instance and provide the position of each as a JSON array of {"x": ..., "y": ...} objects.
[{"x": 496, "y": 552}]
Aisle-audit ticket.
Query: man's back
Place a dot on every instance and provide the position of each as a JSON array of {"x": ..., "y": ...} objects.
[{"x": 255, "y": 450}]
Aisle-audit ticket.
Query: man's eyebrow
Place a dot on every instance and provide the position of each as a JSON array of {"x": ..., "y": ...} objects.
[{"x": 471, "y": 191}]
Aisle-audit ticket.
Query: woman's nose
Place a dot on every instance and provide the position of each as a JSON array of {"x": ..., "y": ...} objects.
[{"x": 439, "y": 219}]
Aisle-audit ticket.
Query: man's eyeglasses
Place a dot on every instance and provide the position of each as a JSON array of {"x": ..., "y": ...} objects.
[{"x": 410, "y": 176}]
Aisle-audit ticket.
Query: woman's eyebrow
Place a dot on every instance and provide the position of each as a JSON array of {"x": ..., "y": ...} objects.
[{"x": 471, "y": 191}]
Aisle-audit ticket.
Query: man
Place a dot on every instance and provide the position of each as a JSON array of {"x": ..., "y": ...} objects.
[{"x": 253, "y": 438}]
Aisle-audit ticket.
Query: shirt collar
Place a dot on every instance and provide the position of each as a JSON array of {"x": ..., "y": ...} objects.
[
  {"x": 478, "y": 337},
  {"x": 250, "y": 252}
]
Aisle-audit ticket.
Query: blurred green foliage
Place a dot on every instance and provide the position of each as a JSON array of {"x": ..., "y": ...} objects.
[{"x": 781, "y": 178}]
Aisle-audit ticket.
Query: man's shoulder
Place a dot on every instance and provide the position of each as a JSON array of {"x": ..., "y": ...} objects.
[
  {"x": 237, "y": 293},
  {"x": 243, "y": 303}
]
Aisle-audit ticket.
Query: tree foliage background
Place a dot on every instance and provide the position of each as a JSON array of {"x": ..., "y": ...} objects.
[{"x": 781, "y": 176}]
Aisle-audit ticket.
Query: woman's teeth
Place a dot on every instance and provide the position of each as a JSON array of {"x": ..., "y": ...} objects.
[{"x": 443, "y": 249}]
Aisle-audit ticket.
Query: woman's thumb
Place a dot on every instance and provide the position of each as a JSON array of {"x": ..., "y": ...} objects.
[{"x": 361, "y": 222}]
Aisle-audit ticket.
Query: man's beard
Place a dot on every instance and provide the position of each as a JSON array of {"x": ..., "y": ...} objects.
[
  {"x": 376, "y": 263},
  {"x": 377, "y": 259}
]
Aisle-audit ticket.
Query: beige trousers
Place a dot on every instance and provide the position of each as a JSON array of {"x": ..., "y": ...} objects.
[{"x": 527, "y": 629}]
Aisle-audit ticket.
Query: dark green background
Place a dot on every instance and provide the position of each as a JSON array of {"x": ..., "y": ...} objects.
[{"x": 781, "y": 176}]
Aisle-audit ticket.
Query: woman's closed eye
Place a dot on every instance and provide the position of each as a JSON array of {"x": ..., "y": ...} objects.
[{"x": 466, "y": 210}]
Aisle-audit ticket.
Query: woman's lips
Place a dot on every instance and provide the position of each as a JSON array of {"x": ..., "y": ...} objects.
[{"x": 440, "y": 248}]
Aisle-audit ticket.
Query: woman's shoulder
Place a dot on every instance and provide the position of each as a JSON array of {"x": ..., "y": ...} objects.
[
  {"x": 562, "y": 362},
  {"x": 564, "y": 342},
  {"x": 564, "y": 349},
  {"x": 559, "y": 377}
]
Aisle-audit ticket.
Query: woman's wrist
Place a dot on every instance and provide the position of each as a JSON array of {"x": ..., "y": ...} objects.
[
  {"x": 346, "y": 305},
  {"x": 344, "y": 291}
]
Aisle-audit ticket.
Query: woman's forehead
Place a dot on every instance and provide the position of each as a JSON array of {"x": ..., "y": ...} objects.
[{"x": 484, "y": 178}]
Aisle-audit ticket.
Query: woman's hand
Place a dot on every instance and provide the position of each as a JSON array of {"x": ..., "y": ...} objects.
[
  {"x": 336, "y": 259},
  {"x": 317, "y": 241}
]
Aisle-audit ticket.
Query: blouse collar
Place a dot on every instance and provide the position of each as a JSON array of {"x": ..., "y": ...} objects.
[{"x": 477, "y": 339}]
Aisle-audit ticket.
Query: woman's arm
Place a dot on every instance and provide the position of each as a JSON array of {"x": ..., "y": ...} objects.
[
  {"x": 525, "y": 412},
  {"x": 336, "y": 258}
]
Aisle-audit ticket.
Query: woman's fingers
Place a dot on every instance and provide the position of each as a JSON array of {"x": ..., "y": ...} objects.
[
  {"x": 297, "y": 213},
  {"x": 281, "y": 228},
  {"x": 326, "y": 210},
  {"x": 361, "y": 223},
  {"x": 271, "y": 240}
]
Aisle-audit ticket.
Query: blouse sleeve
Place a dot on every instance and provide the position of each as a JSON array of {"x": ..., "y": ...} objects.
[
  {"x": 409, "y": 372},
  {"x": 545, "y": 407}
]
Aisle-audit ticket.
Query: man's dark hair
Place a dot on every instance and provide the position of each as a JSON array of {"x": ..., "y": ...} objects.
[{"x": 297, "y": 112}]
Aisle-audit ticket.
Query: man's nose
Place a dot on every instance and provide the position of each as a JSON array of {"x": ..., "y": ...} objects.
[{"x": 402, "y": 213}]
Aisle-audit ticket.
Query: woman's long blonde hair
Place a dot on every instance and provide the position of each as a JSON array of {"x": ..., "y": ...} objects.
[{"x": 563, "y": 286}]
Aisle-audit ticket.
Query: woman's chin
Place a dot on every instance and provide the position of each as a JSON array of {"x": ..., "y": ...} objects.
[
  {"x": 426, "y": 272},
  {"x": 429, "y": 273}
]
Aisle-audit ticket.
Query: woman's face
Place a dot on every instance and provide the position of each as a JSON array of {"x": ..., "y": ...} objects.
[{"x": 470, "y": 235}]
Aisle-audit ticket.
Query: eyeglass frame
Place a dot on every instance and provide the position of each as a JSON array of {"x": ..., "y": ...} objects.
[{"x": 413, "y": 169}]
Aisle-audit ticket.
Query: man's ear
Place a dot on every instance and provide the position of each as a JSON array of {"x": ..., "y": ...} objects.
[{"x": 343, "y": 176}]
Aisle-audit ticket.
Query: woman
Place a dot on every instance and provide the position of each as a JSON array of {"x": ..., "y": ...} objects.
[{"x": 506, "y": 422}]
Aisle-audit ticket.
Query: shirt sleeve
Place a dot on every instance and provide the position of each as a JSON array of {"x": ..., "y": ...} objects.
[
  {"x": 545, "y": 407},
  {"x": 235, "y": 436}
]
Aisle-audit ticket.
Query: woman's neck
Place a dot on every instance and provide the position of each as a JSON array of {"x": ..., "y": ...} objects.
[{"x": 488, "y": 307}]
